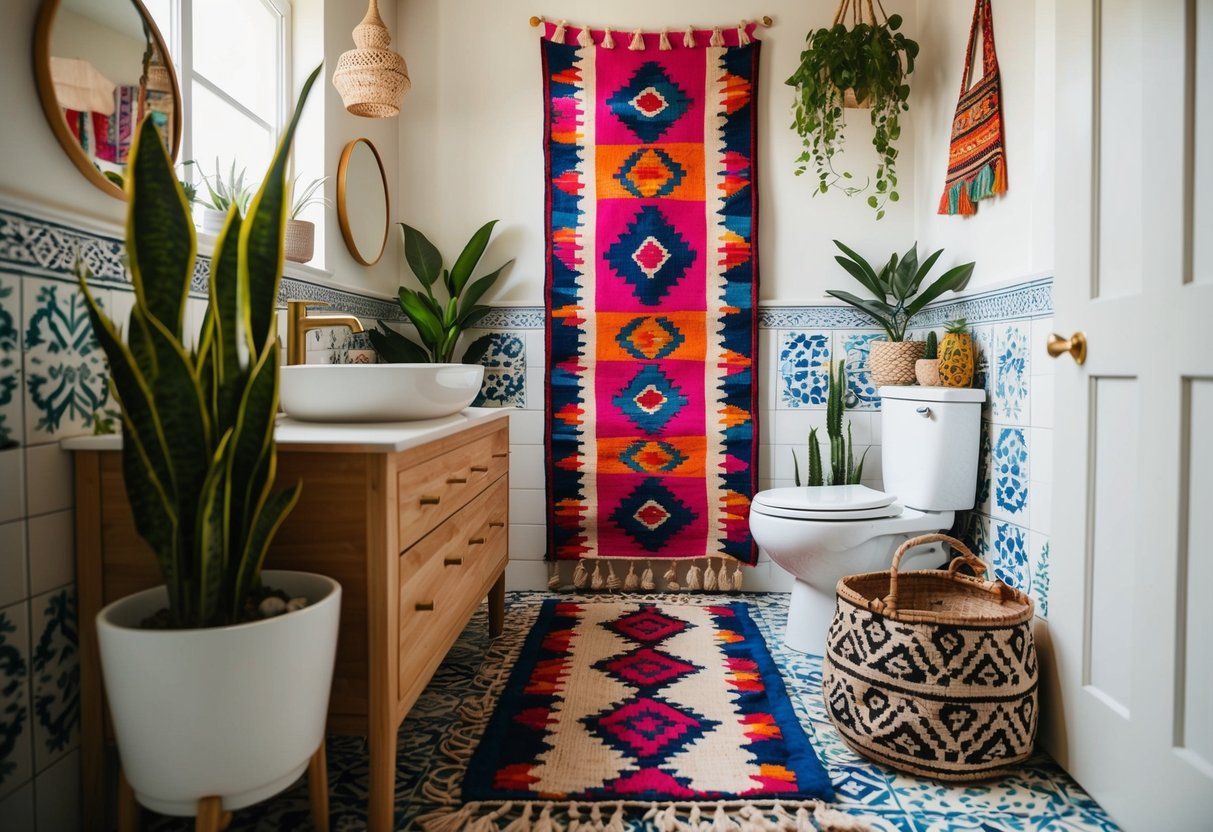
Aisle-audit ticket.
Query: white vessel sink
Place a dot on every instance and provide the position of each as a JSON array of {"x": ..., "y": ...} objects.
[{"x": 378, "y": 392}]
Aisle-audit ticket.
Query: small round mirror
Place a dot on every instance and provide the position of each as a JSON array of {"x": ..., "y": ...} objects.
[
  {"x": 101, "y": 67},
  {"x": 363, "y": 204}
]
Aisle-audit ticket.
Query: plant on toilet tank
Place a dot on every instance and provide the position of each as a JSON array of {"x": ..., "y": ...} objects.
[
  {"x": 898, "y": 297},
  {"x": 211, "y": 701}
]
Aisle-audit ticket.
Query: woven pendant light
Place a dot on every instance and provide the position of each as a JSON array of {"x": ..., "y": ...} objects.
[{"x": 373, "y": 77}]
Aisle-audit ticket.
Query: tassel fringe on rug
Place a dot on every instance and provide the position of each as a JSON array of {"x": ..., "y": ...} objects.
[
  {"x": 443, "y": 787},
  {"x": 702, "y": 574}
]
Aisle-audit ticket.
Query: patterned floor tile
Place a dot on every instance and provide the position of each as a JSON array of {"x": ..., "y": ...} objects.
[{"x": 1039, "y": 796}]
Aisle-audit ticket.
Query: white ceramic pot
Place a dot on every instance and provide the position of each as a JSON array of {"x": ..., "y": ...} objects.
[
  {"x": 234, "y": 712},
  {"x": 212, "y": 220}
]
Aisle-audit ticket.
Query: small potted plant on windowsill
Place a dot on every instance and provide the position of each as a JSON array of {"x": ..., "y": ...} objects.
[
  {"x": 864, "y": 66},
  {"x": 897, "y": 300},
  {"x": 214, "y": 703},
  {"x": 301, "y": 234},
  {"x": 221, "y": 195}
]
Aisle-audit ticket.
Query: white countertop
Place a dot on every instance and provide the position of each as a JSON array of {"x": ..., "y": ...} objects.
[{"x": 370, "y": 437}]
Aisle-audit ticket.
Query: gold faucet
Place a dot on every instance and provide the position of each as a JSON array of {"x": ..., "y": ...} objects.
[{"x": 298, "y": 322}]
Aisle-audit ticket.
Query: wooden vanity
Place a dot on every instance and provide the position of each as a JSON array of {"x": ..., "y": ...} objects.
[{"x": 411, "y": 519}]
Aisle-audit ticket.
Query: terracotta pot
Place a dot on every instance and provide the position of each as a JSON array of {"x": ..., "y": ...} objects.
[
  {"x": 300, "y": 240},
  {"x": 926, "y": 370},
  {"x": 892, "y": 362}
]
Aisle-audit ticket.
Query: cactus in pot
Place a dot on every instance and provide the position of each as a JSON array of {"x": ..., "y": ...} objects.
[
  {"x": 957, "y": 356},
  {"x": 843, "y": 469},
  {"x": 926, "y": 369}
]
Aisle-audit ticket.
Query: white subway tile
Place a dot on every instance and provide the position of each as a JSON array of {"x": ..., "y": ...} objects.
[
  {"x": 527, "y": 506},
  {"x": 528, "y": 541},
  {"x": 52, "y": 561},
  {"x": 17, "y": 808},
  {"x": 13, "y": 586},
  {"x": 1042, "y": 401},
  {"x": 536, "y": 389},
  {"x": 526, "y": 466},
  {"x": 526, "y": 427},
  {"x": 536, "y": 348},
  {"x": 523, "y": 575},
  {"x": 12, "y": 484},
  {"x": 48, "y": 479},
  {"x": 1041, "y": 463},
  {"x": 58, "y": 795},
  {"x": 792, "y": 426},
  {"x": 1042, "y": 363},
  {"x": 1040, "y": 507}
]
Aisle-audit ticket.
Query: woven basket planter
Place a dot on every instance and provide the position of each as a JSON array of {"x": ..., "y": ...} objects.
[
  {"x": 892, "y": 362},
  {"x": 926, "y": 371},
  {"x": 933, "y": 672},
  {"x": 300, "y": 240}
]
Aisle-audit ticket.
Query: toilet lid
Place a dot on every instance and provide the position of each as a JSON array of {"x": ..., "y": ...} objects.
[{"x": 829, "y": 502}]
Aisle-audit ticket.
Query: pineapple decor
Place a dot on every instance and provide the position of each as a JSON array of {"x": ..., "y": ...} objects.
[{"x": 957, "y": 356}]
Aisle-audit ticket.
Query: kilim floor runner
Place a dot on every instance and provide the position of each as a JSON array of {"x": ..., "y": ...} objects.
[
  {"x": 670, "y": 711},
  {"x": 652, "y": 279}
]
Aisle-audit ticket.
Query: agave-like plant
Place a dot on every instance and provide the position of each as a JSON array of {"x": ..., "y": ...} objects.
[
  {"x": 198, "y": 450},
  {"x": 896, "y": 287},
  {"x": 438, "y": 323},
  {"x": 843, "y": 469}
]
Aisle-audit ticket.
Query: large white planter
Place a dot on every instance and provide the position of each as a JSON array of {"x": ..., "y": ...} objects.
[{"x": 234, "y": 712}]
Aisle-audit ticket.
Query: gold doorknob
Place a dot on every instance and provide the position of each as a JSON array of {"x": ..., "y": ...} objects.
[{"x": 1075, "y": 345}]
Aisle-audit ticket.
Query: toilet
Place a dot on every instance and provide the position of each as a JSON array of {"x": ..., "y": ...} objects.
[{"x": 929, "y": 449}]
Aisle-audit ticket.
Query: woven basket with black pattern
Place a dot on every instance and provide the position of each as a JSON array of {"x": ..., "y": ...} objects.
[{"x": 933, "y": 672}]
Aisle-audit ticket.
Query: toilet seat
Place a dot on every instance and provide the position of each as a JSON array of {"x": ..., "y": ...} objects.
[{"x": 835, "y": 502}]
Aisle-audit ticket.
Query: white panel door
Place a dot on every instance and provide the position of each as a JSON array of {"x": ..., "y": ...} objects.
[{"x": 1128, "y": 658}]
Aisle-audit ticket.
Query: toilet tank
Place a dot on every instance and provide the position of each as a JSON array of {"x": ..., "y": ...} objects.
[{"x": 930, "y": 439}]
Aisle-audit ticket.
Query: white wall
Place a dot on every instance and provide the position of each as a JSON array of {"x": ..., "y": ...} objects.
[
  {"x": 471, "y": 136},
  {"x": 1011, "y": 236}
]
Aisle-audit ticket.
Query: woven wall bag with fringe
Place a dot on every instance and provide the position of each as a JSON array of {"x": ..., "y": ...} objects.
[
  {"x": 977, "y": 157},
  {"x": 933, "y": 672}
]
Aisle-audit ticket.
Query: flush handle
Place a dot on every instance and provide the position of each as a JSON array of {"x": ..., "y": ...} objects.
[{"x": 924, "y": 412}]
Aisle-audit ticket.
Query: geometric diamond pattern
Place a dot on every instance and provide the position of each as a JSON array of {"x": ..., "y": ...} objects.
[
  {"x": 651, "y": 515},
  {"x": 651, "y": 457},
  {"x": 649, "y": 103},
  {"x": 651, "y": 255},
  {"x": 645, "y": 667},
  {"x": 651, "y": 730},
  {"x": 647, "y": 625},
  {"x": 650, "y": 338},
  {"x": 650, "y": 172},
  {"x": 650, "y": 399}
]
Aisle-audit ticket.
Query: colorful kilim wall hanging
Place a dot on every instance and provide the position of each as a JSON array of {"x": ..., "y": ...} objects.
[
  {"x": 644, "y": 705},
  {"x": 652, "y": 280},
  {"x": 977, "y": 160}
]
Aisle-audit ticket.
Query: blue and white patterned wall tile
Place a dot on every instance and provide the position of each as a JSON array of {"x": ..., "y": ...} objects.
[
  {"x": 55, "y": 672},
  {"x": 1040, "y": 572},
  {"x": 1010, "y": 474},
  {"x": 65, "y": 369},
  {"x": 979, "y": 535},
  {"x": 804, "y": 368},
  {"x": 16, "y": 732},
  {"x": 983, "y": 343},
  {"x": 503, "y": 355},
  {"x": 11, "y": 402},
  {"x": 855, "y": 347},
  {"x": 1010, "y": 556},
  {"x": 1011, "y": 373}
]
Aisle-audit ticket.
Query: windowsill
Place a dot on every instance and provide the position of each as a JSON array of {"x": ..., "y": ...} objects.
[{"x": 299, "y": 271}]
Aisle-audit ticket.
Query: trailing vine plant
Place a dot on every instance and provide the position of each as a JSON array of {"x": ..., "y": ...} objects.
[{"x": 865, "y": 65}]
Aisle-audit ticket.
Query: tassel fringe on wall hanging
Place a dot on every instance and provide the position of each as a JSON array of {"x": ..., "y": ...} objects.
[
  {"x": 977, "y": 159},
  {"x": 651, "y": 295}
]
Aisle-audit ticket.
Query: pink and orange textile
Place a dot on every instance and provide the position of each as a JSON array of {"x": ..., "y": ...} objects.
[
  {"x": 652, "y": 280},
  {"x": 638, "y": 703}
]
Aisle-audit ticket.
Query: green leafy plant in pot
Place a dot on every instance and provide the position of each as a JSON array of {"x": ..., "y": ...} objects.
[
  {"x": 863, "y": 65},
  {"x": 439, "y": 323},
  {"x": 199, "y": 464},
  {"x": 898, "y": 295}
]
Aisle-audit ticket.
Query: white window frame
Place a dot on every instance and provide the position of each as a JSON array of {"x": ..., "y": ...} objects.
[{"x": 180, "y": 42}]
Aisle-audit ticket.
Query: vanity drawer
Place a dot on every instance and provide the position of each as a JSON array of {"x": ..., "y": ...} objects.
[
  {"x": 434, "y": 490},
  {"x": 443, "y": 577}
]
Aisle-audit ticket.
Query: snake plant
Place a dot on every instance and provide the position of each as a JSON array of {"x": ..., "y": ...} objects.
[
  {"x": 843, "y": 470},
  {"x": 438, "y": 323},
  {"x": 896, "y": 287},
  {"x": 198, "y": 452}
]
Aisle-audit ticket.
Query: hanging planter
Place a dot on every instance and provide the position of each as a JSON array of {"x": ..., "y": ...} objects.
[{"x": 859, "y": 61}]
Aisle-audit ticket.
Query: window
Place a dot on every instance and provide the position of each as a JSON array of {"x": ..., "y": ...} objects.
[{"x": 232, "y": 59}]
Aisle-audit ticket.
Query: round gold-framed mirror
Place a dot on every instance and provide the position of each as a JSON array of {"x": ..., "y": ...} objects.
[
  {"x": 364, "y": 220},
  {"x": 100, "y": 66}
]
